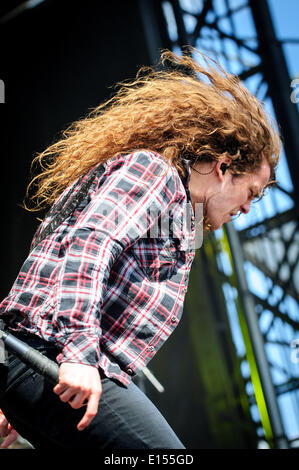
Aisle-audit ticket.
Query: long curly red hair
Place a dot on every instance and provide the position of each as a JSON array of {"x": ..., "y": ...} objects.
[{"x": 180, "y": 110}]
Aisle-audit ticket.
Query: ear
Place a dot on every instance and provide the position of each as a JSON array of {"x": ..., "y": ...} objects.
[{"x": 221, "y": 167}]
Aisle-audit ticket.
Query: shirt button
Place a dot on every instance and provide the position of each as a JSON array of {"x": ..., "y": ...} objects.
[
  {"x": 173, "y": 319},
  {"x": 151, "y": 348},
  {"x": 130, "y": 371},
  {"x": 185, "y": 289}
]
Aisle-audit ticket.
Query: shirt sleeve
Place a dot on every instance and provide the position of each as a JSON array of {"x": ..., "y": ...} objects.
[{"x": 135, "y": 191}]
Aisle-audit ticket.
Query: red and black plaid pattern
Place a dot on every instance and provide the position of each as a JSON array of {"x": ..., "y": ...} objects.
[{"x": 107, "y": 286}]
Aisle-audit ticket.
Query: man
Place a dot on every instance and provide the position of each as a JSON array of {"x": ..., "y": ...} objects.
[{"x": 104, "y": 284}]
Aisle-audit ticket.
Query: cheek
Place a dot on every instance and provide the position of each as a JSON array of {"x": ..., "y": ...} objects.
[
  {"x": 216, "y": 207},
  {"x": 221, "y": 202},
  {"x": 234, "y": 196}
]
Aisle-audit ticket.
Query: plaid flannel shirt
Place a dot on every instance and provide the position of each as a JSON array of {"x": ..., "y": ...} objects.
[{"x": 106, "y": 286}]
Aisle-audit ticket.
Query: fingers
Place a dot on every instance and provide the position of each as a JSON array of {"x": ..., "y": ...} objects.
[
  {"x": 78, "y": 385},
  {"x": 6, "y": 430},
  {"x": 74, "y": 396},
  {"x": 91, "y": 411},
  {"x": 13, "y": 436},
  {"x": 76, "y": 400},
  {"x": 5, "y": 427},
  {"x": 60, "y": 388},
  {"x": 65, "y": 393}
]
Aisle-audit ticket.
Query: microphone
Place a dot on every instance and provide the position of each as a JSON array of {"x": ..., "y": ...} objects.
[{"x": 33, "y": 358}]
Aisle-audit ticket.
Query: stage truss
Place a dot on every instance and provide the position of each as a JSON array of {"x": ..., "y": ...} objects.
[{"x": 240, "y": 35}]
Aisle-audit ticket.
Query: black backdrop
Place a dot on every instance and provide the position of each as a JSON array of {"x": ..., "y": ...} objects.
[{"x": 58, "y": 60}]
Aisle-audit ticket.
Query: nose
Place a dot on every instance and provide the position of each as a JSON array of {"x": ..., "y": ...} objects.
[{"x": 245, "y": 208}]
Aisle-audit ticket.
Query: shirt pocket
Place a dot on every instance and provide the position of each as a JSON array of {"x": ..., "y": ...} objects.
[{"x": 156, "y": 257}]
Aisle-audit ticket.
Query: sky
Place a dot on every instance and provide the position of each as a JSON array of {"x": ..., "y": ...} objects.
[{"x": 285, "y": 15}]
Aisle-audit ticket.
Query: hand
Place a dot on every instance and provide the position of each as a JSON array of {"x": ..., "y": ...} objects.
[
  {"x": 78, "y": 384},
  {"x": 6, "y": 431}
]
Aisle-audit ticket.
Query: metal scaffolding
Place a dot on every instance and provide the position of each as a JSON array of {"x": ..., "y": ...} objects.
[
  {"x": 248, "y": 271},
  {"x": 268, "y": 244}
]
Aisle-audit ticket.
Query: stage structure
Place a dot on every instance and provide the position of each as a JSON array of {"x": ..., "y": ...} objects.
[
  {"x": 257, "y": 261},
  {"x": 229, "y": 372}
]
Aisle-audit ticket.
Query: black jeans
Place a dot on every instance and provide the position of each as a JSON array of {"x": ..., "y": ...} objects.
[{"x": 126, "y": 418}]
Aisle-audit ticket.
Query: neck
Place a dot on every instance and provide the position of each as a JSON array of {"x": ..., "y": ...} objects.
[{"x": 200, "y": 181}]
